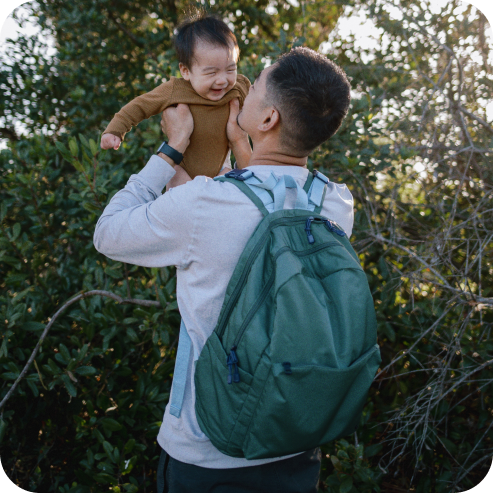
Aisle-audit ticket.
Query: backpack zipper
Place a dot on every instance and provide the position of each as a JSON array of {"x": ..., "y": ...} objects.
[
  {"x": 246, "y": 270},
  {"x": 232, "y": 360}
]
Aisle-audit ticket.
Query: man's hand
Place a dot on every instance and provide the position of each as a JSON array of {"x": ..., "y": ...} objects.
[
  {"x": 177, "y": 124},
  {"x": 233, "y": 131},
  {"x": 238, "y": 139},
  {"x": 109, "y": 141}
]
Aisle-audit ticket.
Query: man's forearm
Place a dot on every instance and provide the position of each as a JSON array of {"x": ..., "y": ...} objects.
[{"x": 242, "y": 152}]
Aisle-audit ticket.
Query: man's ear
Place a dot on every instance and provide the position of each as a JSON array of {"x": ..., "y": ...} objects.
[
  {"x": 270, "y": 120},
  {"x": 185, "y": 71}
]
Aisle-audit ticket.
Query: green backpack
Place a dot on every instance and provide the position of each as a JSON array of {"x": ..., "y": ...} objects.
[{"x": 294, "y": 352}]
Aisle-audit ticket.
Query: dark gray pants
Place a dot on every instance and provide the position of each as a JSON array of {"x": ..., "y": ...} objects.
[{"x": 299, "y": 474}]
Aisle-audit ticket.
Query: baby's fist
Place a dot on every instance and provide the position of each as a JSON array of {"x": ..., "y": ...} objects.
[{"x": 109, "y": 141}]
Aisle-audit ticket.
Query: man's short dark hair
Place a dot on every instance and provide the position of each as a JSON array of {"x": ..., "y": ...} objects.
[
  {"x": 312, "y": 95},
  {"x": 204, "y": 27}
]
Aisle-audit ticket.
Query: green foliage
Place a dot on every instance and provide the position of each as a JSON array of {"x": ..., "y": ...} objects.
[
  {"x": 352, "y": 472},
  {"x": 415, "y": 151}
]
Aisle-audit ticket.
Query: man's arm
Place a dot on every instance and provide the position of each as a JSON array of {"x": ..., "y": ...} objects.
[{"x": 140, "y": 225}]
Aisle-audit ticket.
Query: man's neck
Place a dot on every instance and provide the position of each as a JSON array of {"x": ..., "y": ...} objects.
[{"x": 275, "y": 158}]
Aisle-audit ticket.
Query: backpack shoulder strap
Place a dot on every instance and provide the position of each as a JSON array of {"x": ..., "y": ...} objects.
[
  {"x": 231, "y": 178},
  {"x": 308, "y": 182},
  {"x": 317, "y": 191}
]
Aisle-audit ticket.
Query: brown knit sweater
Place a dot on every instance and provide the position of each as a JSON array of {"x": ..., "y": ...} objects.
[{"x": 208, "y": 146}]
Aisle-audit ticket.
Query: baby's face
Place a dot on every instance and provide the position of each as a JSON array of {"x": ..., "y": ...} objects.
[{"x": 213, "y": 71}]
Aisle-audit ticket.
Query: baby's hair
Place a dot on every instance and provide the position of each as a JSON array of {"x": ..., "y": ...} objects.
[{"x": 204, "y": 27}]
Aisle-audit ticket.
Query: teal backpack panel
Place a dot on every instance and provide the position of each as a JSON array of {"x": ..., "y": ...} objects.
[{"x": 290, "y": 362}]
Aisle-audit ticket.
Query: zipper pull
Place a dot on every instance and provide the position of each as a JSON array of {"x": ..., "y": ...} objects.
[
  {"x": 333, "y": 228},
  {"x": 232, "y": 362},
  {"x": 308, "y": 230}
]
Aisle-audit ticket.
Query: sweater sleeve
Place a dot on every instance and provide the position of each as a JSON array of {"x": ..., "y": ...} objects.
[
  {"x": 142, "y": 227},
  {"x": 140, "y": 108}
]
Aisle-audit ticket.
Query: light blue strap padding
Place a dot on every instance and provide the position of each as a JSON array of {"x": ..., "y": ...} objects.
[
  {"x": 183, "y": 356},
  {"x": 262, "y": 194},
  {"x": 278, "y": 188},
  {"x": 301, "y": 196},
  {"x": 316, "y": 191}
]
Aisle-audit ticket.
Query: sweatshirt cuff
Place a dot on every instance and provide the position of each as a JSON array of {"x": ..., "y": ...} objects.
[{"x": 157, "y": 173}]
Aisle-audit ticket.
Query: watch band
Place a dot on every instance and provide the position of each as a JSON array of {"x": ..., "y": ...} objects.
[{"x": 176, "y": 156}]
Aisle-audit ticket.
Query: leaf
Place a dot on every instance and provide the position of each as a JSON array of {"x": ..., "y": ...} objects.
[
  {"x": 61, "y": 359},
  {"x": 10, "y": 375},
  {"x": 74, "y": 148},
  {"x": 63, "y": 151},
  {"x": 33, "y": 387},
  {"x": 109, "y": 450},
  {"x": 105, "y": 478},
  {"x": 111, "y": 424},
  {"x": 16, "y": 231},
  {"x": 129, "y": 446},
  {"x": 346, "y": 485},
  {"x": 69, "y": 385},
  {"x": 86, "y": 370},
  {"x": 83, "y": 352},
  {"x": 93, "y": 146},
  {"x": 336, "y": 463},
  {"x": 64, "y": 352},
  {"x": 34, "y": 326},
  {"x": 3, "y": 427},
  {"x": 77, "y": 165},
  {"x": 91, "y": 207},
  {"x": 373, "y": 450},
  {"x": 113, "y": 273},
  {"x": 450, "y": 446},
  {"x": 162, "y": 298},
  {"x": 83, "y": 140},
  {"x": 3, "y": 211}
]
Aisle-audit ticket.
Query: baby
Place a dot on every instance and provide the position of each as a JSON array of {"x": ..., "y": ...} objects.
[{"x": 208, "y": 52}]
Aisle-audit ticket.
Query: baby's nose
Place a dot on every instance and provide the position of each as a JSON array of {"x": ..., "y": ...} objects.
[{"x": 221, "y": 80}]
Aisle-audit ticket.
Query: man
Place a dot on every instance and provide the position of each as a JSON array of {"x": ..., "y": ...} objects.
[{"x": 202, "y": 226}]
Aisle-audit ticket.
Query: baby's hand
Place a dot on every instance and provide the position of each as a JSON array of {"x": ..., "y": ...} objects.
[{"x": 109, "y": 141}]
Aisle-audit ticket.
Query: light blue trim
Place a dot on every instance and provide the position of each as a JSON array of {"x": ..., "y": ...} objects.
[
  {"x": 261, "y": 193},
  {"x": 316, "y": 191},
  {"x": 278, "y": 188},
  {"x": 183, "y": 356}
]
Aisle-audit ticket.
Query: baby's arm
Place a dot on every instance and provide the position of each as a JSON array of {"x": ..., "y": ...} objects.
[{"x": 140, "y": 108}]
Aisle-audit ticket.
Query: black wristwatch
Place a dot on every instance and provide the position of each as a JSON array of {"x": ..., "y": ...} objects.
[{"x": 176, "y": 156}]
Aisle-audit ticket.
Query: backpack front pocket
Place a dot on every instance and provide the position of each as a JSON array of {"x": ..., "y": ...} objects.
[
  {"x": 302, "y": 407},
  {"x": 217, "y": 403}
]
